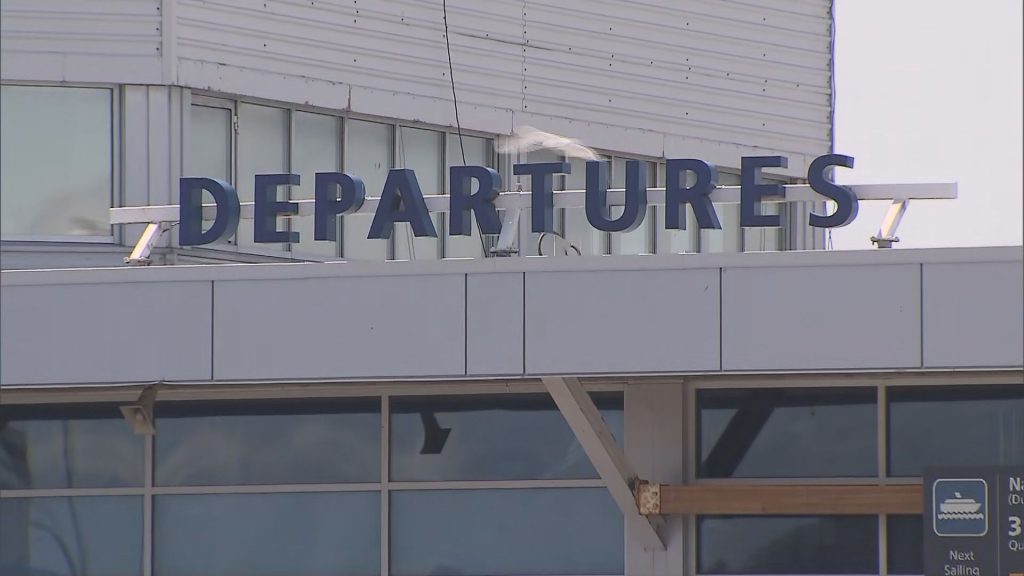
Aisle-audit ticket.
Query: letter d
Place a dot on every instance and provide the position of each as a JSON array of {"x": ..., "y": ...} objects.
[{"x": 190, "y": 211}]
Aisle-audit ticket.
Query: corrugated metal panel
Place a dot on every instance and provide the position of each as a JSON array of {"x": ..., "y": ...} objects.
[
  {"x": 730, "y": 75},
  {"x": 714, "y": 77},
  {"x": 82, "y": 40}
]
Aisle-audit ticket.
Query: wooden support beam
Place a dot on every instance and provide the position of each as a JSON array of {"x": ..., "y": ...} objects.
[{"x": 790, "y": 499}]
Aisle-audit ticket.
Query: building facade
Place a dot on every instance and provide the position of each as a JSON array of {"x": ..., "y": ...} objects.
[
  {"x": 456, "y": 414},
  {"x": 128, "y": 97}
]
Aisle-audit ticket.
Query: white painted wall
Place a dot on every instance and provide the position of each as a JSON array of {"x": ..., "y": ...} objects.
[{"x": 706, "y": 78}]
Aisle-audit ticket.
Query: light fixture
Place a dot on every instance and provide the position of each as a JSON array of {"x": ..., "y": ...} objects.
[{"x": 139, "y": 414}]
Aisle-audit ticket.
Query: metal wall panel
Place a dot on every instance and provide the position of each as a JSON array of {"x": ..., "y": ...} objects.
[
  {"x": 116, "y": 41},
  {"x": 362, "y": 327},
  {"x": 105, "y": 333},
  {"x": 973, "y": 314},
  {"x": 622, "y": 322},
  {"x": 696, "y": 77},
  {"x": 494, "y": 324},
  {"x": 827, "y": 317}
]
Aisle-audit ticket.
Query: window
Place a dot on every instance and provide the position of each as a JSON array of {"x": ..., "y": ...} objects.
[
  {"x": 367, "y": 155},
  {"x": 954, "y": 426},
  {"x": 267, "y": 442},
  {"x": 308, "y": 533},
  {"x": 478, "y": 153},
  {"x": 482, "y": 484},
  {"x": 578, "y": 230},
  {"x": 787, "y": 432},
  {"x": 638, "y": 241},
  {"x": 480, "y": 438},
  {"x": 728, "y": 238},
  {"x": 499, "y": 532},
  {"x": 262, "y": 149},
  {"x": 905, "y": 545},
  {"x": 420, "y": 150},
  {"x": 787, "y": 545},
  {"x": 71, "y": 536},
  {"x": 58, "y": 161},
  {"x": 316, "y": 147},
  {"x": 56, "y": 446}
]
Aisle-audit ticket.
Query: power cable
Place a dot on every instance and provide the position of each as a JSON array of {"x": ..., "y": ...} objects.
[{"x": 455, "y": 102}]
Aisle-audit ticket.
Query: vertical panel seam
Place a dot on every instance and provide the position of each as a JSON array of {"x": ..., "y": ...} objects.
[
  {"x": 721, "y": 335},
  {"x": 465, "y": 324},
  {"x": 523, "y": 335},
  {"x": 213, "y": 335},
  {"x": 920, "y": 314}
]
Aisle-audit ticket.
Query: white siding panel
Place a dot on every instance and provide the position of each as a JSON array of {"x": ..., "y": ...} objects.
[
  {"x": 740, "y": 77},
  {"x": 82, "y": 40}
]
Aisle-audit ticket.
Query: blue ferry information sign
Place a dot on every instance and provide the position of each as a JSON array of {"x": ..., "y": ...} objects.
[{"x": 973, "y": 522}]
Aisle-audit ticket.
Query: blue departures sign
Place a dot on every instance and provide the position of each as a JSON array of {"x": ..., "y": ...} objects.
[
  {"x": 972, "y": 522},
  {"x": 401, "y": 200}
]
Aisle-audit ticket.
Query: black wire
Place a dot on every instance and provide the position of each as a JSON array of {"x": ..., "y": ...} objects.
[
  {"x": 451, "y": 76},
  {"x": 455, "y": 102}
]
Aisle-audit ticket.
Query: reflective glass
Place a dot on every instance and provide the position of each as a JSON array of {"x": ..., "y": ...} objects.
[
  {"x": 765, "y": 239},
  {"x": 955, "y": 426},
  {"x": 787, "y": 545},
  {"x": 262, "y": 149},
  {"x": 282, "y": 534},
  {"x": 68, "y": 447},
  {"x": 478, "y": 153},
  {"x": 489, "y": 438},
  {"x": 500, "y": 532},
  {"x": 268, "y": 442},
  {"x": 638, "y": 241},
  {"x": 77, "y": 536},
  {"x": 368, "y": 156},
  {"x": 728, "y": 238},
  {"x": 676, "y": 241},
  {"x": 208, "y": 153},
  {"x": 905, "y": 546},
  {"x": 57, "y": 158},
  {"x": 316, "y": 148},
  {"x": 787, "y": 432},
  {"x": 578, "y": 230},
  {"x": 420, "y": 150}
]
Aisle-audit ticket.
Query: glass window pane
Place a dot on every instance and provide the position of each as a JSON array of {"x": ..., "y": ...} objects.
[
  {"x": 280, "y": 534},
  {"x": 317, "y": 148},
  {"x": 764, "y": 239},
  {"x": 71, "y": 536},
  {"x": 368, "y": 156},
  {"x": 578, "y": 230},
  {"x": 905, "y": 546},
  {"x": 478, "y": 153},
  {"x": 499, "y": 532},
  {"x": 787, "y": 432},
  {"x": 276, "y": 442},
  {"x": 208, "y": 153},
  {"x": 676, "y": 241},
  {"x": 728, "y": 238},
  {"x": 262, "y": 149},
  {"x": 638, "y": 241},
  {"x": 68, "y": 447},
  {"x": 787, "y": 545},
  {"x": 420, "y": 150},
  {"x": 955, "y": 426},
  {"x": 57, "y": 160},
  {"x": 489, "y": 438}
]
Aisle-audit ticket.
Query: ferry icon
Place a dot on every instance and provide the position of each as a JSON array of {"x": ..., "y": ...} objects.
[{"x": 960, "y": 507}]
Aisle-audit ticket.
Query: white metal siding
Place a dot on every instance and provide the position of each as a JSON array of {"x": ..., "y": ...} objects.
[
  {"x": 115, "y": 41},
  {"x": 713, "y": 78}
]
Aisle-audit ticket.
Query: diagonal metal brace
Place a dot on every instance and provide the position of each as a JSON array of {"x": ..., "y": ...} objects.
[
  {"x": 887, "y": 233},
  {"x": 597, "y": 441}
]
